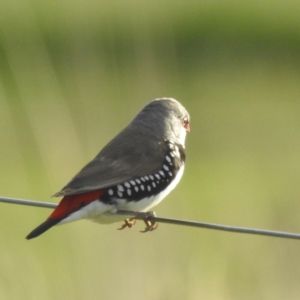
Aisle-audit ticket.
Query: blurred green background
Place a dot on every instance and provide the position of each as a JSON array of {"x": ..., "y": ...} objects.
[{"x": 74, "y": 73}]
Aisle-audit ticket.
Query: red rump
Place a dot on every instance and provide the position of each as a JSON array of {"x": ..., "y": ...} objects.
[{"x": 71, "y": 203}]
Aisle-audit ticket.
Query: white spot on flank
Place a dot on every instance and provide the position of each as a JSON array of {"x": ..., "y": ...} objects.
[
  {"x": 120, "y": 188},
  {"x": 146, "y": 177},
  {"x": 157, "y": 176},
  {"x": 170, "y": 173},
  {"x": 149, "y": 188},
  {"x": 129, "y": 192},
  {"x": 154, "y": 185},
  {"x": 176, "y": 152},
  {"x": 162, "y": 173},
  {"x": 136, "y": 188},
  {"x": 127, "y": 184},
  {"x": 151, "y": 177},
  {"x": 142, "y": 187},
  {"x": 172, "y": 154},
  {"x": 138, "y": 181},
  {"x": 168, "y": 158},
  {"x": 120, "y": 194},
  {"x": 132, "y": 182},
  {"x": 110, "y": 192},
  {"x": 143, "y": 179},
  {"x": 166, "y": 167}
]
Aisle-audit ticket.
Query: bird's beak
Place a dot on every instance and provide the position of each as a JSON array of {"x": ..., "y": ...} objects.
[{"x": 188, "y": 128}]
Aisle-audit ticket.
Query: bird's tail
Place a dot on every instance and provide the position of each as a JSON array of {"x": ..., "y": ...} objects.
[
  {"x": 42, "y": 228},
  {"x": 68, "y": 205}
]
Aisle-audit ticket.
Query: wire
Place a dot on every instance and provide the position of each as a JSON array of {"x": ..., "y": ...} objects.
[
  {"x": 153, "y": 218},
  {"x": 28, "y": 202}
]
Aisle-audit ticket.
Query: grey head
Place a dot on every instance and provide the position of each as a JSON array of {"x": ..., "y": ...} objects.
[
  {"x": 165, "y": 118},
  {"x": 138, "y": 150}
]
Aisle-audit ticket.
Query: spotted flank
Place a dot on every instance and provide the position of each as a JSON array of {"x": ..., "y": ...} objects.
[{"x": 149, "y": 185}]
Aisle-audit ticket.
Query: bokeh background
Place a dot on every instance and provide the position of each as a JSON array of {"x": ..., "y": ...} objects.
[{"x": 74, "y": 73}]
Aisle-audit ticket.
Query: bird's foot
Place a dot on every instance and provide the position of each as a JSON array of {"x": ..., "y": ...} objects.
[
  {"x": 128, "y": 223},
  {"x": 150, "y": 224}
]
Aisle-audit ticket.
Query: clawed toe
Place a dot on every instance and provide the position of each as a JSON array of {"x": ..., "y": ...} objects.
[
  {"x": 150, "y": 224},
  {"x": 128, "y": 223}
]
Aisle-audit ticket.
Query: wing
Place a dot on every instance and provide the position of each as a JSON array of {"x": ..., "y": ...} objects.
[{"x": 129, "y": 155}]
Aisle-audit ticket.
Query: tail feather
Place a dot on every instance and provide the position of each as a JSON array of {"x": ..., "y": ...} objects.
[
  {"x": 68, "y": 205},
  {"x": 42, "y": 228}
]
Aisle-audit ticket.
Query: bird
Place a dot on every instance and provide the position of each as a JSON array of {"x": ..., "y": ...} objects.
[{"x": 137, "y": 169}]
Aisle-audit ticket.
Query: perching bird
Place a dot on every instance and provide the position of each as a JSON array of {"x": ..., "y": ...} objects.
[{"x": 133, "y": 172}]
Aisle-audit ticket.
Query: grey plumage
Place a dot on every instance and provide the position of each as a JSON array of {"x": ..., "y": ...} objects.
[{"x": 136, "y": 151}]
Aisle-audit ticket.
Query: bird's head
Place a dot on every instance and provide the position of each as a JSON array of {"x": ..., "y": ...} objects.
[{"x": 166, "y": 118}]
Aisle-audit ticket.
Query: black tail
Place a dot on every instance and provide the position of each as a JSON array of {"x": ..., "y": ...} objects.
[{"x": 42, "y": 228}]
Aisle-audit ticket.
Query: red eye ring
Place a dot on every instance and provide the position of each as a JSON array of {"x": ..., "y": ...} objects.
[{"x": 185, "y": 124}]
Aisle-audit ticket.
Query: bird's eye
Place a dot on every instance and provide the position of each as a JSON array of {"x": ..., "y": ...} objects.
[{"x": 186, "y": 124}]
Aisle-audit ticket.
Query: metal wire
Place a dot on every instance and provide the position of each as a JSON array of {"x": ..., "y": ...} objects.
[
  {"x": 28, "y": 202},
  {"x": 142, "y": 216}
]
